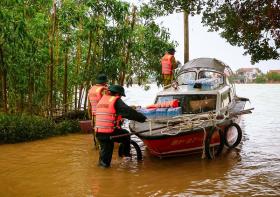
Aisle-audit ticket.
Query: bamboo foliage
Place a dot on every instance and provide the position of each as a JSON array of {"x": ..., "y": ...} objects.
[{"x": 51, "y": 51}]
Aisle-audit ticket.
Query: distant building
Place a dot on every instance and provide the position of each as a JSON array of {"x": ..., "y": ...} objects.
[
  {"x": 247, "y": 75},
  {"x": 274, "y": 71}
]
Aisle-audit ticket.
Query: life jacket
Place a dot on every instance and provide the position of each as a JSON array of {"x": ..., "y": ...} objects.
[
  {"x": 166, "y": 64},
  {"x": 106, "y": 118},
  {"x": 94, "y": 96},
  {"x": 166, "y": 104}
]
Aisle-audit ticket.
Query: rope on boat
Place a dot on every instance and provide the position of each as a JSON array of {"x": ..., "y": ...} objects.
[
  {"x": 150, "y": 124},
  {"x": 204, "y": 139},
  {"x": 187, "y": 122},
  {"x": 194, "y": 121}
]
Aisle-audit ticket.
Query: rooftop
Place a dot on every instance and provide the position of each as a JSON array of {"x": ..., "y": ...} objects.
[
  {"x": 274, "y": 71},
  {"x": 247, "y": 70}
]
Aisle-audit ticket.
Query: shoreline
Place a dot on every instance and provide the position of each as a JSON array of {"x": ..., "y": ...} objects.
[{"x": 261, "y": 83}]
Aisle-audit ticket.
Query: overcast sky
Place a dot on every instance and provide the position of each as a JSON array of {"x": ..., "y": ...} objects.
[{"x": 207, "y": 44}]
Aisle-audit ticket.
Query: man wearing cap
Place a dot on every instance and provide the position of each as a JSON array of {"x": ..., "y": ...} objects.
[
  {"x": 95, "y": 93},
  {"x": 168, "y": 64},
  {"x": 109, "y": 113}
]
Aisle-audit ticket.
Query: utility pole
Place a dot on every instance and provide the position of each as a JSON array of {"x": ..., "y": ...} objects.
[{"x": 186, "y": 37}]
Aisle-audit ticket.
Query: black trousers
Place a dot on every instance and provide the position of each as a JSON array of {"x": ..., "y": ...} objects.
[{"x": 107, "y": 146}]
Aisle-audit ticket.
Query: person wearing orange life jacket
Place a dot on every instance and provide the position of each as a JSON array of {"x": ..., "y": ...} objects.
[
  {"x": 168, "y": 64},
  {"x": 95, "y": 93},
  {"x": 109, "y": 112}
]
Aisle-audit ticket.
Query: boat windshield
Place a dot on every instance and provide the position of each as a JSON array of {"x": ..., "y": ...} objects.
[
  {"x": 186, "y": 77},
  {"x": 192, "y": 104},
  {"x": 206, "y": 74}
]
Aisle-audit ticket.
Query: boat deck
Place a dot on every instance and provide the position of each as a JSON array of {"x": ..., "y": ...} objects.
[{"x": 171, "y": 126}]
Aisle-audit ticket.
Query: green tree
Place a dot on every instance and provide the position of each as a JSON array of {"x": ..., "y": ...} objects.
[
  {"x": 261, "y": 79},
  {"x": 253, "y": 25},
  {"x": 272, "y": 76},
  {"x": 51, "y": 51},
  {"x": 162, "y": 7},
  {"x": 22, "y": 44}
]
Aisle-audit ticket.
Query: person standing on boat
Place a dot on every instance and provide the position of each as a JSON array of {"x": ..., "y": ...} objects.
[
  {"x": 95, "y": 93},
  {"x": 168, "y": 65},
  {"x": 109, "y": 113}
]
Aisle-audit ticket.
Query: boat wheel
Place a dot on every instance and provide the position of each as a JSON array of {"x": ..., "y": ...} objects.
[
  {"x": 212, "y": 151},
  {"x": 233, "y": 127},
  {"x": 135, "y": 151}
]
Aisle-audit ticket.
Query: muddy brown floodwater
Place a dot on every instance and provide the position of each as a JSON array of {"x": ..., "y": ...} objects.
[{"x": 66, "y": 166}]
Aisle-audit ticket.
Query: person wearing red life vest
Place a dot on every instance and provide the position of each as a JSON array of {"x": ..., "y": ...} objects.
[
  {"x": 95, "y": 93},
  {"x": 109, "y": 112},
  {"x": 168, "y": 64}
]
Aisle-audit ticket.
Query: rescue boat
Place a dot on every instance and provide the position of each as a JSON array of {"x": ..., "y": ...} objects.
[{"x": 198, "y": 113}]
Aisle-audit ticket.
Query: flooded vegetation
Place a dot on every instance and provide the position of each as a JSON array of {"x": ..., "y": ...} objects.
[{"x": 67, "y": 165}]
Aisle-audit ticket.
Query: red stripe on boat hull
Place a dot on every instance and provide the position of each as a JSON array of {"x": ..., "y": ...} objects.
[{"x": 189, "y": 143}]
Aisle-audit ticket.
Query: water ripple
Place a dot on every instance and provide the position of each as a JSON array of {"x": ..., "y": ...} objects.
[{"x": 67, "y": 165}]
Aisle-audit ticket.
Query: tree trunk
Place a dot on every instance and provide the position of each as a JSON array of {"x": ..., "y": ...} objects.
[
  {"x": 3, "y": 72},
  {"x": 89, "y": 50},
  {"x": 80, "y": 97},
  {"x": 1, "y": 91},
  {"x": 78, "y": 63},
  {"x": 186, "y": 37},
  {"x": 86, "y": 97},
  {"x": 128, "y": 46},
  {"x": 4, "y": 90},
  {"x": 30, "y": 92},
  {"x": 65, "y": 81},
  {"x": 21, "y": 103},
  {"x": 86, "y": 67},
  {"x": 76, "y": 97},
  {"x": 57, "y": 61},
  {"x": 51, "y": 69},
  {"x": 65, "y": 77}
]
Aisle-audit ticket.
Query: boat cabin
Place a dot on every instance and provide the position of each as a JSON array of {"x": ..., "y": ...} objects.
[{"x": 202, "y": 85}]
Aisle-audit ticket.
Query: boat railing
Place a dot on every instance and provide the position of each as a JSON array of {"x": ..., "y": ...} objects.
[{"x": 185, "y": 122}]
